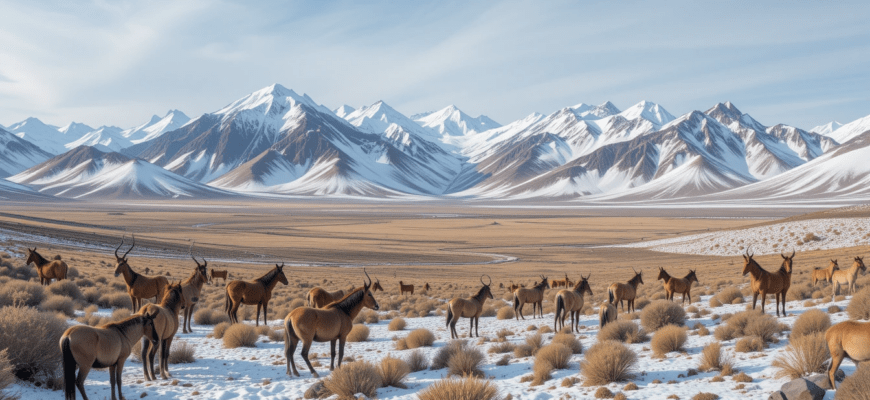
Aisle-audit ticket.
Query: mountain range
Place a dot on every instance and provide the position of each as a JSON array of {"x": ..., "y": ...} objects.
[{"x": 277, "y": 142}]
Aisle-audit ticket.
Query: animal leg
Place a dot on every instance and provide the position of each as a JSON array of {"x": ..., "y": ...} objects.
[
  {"x": 836, "y": 359},
  {"x": 112, "y": 378},
  {"x": 341, "y": 342},
  {"x": 80, "y": 380},
  {"x": 119, "y": 368},
  {"x": 164, "y": 359},
  {"x": 305, "y": 346},
  {"x": 265, "y": 311},
  {"x": 290, "y": 342},
  {"x": 145, "y": 355},
  {"x": 257, "y": 323},
  {"x": 755, "y": 299},
  {"x": 763, "y": 300},
  {"x": 477, "y": 326},
  {"x": 234, "y": 312},
  {"x": 189, "y": 317},
  {"x": 332, "y": 354}
]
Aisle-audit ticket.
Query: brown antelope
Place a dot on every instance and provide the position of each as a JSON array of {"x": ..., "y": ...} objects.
[
  {"x": 377, "y": 286},
  {"x": 764, "y": 282},
  {"x": 139, "y": 286},
  {"x": 607, "y": 312},
  {"x": 513, "y": 287},
  {"x": 848, "y": 277},
  {"x": 470, "y": 308},
  {"x": 678, "y": 285},
  {"x": 319, "y": 297},
  {"x": 560, "y": 282},
  {"x": 569, "y": 282},
  {"x": 166, "y": 326},
  {"x": 215, "y": 273},
  {"x": 258, "y": 292},
  {"x": 109, "y": 346},
  {"x": 847, "y": 339},
  {"x": 824, "y": 274},
  {"x": 617, "y": 292},
  {"x": 329, "y": 324},
  {"x": 406, "y": 288},
  {"x": 427, "y": 287},
  {"x": 47, "y": 270},
  {"x": 192, "y": 287},
  {"x": 534, "y": 295},
  {"x": 571, "y": 302}
]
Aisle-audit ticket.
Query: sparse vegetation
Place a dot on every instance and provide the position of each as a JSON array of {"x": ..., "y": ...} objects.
[
  {"x": 352, "y": 378},
  {"x": 810, "y": 322},
  {"x": 622, "y": 331},
  {"x": 31, "y": 339},
  {"x": 661, "y": 313},
  {"x": 417, "y": 361},
  {"x": 568, "y": 340},
  {"x": 359, "y": 333},
  {"x": 397, "y": 324},
  {"x": 712, "y": 358},
  {"x": 393, "y": 372},
  {"x": 606, "y": 362},
  {"x": 240, "y": 335},
  {"x": 804, "y": 355},
  {"x": 461, "y": 389},
  {"x": 667, "y": 339},
  {"x": 859, "y": 306},
  {"x": 855, "y": 386},
  {"x": 181, "y": 352}
]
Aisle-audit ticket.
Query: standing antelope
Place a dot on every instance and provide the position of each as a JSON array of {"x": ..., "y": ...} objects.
[
  {"x": 219, "y": 274},
  {"x": 47, "y": 270},
  {"x": 607, "y": 312},
  {"x": 258, "y": 292},
  {"x": 824, "y": 274},
  {"x": 139, "y": 286},
  {"x": 468, "y": 308},
  {"x": 427, "y": 287},
  {"x": 534, "y": 295},
  {"x": 675, "y": 285},
  {"x": 329, "y": 324},
  {"x": 192, "y": 288},
  {"x": 764, "y": 282},
  {"x": 406, "y": 288},
  {"x": 847, "y": 339},
  {"x": 319, "y": 297},
  {"x": 571, "y": 302},
  {"x": 166, "y": 326},
  {"x": 848, "y": 277},
  {"x": 377, "y": 286},
  {"x": 617, "y": 292},
  {"x": 559, "y": 282}
]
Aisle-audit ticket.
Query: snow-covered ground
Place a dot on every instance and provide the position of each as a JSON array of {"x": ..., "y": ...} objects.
[
  {"x": 815, "y": 234},
  {"x": 220, "y": 373}
]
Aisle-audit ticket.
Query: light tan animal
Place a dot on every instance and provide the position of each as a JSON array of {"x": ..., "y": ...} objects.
[
  {"x": 627, "y": 292},
  {"x": 533, "y": 295},
  {"x": 571, "y": 302},
  {"x": 331, "y": 324},
  {"x": 47, "y": 270},
  {"x": 215, "y": 273},
  {"x": 560, "y": 282},
  {"x": 607, "y": 312},
  {"x": 824, "y": 274},
  {"x": 258, "y": 292},
  {"x": 847, "y": 339},
  {"x": 848, "y": 277},
  {"x": 139, "y": 286},
  {"x": 468, "y": 308},
  {"x": 406, "y": 288},
  {"x": 763, "y": 282},
  {"x": 166, "y": 326},
  {"x": 109, "y": 346},
  {"x": 192, "y": 288},
  {"x": 319, "y": 297},
  {"x": 678, "y": 285}
]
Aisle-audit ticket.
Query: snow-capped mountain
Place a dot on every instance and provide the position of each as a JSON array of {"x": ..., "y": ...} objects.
[
  {"x": 87, "y": 172},
  {"x": 343, "y": 111},
  {"x": 826, "y": 129},
  {"x": 105, "y": 138},
  {"x": 46, "y": 137},
  {"x": 851, "y": 130},
  {"x": 17, "y": 154},
  {"x": 451, "y": 121},
  {"x": 157, "y": 126},
  {"x": 10, "y": 191},
  {"x": 74, "y": 130}
]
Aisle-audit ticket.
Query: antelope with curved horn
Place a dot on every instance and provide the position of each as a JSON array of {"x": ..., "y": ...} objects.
[
  {"x": 847, "y": 339},
  {"x": 675, "y": 285},
  {"x": 258, "y": 292},
  {"x": 764, "y": 282},
  {"x": 571, "y": 302},
  {"x": 329, "y": 324},
  {"x": 617, "y": 292},
  {"x": 377, "y": 286},
  {"x": 470, "y": 308},
  {"x": 166, "y": 326},
  {"x": 403, "y": 288},
  {"x": 848, "y": 277},
  {"x": 534, "y": 295},
  {"x": 192, "y": 288},
  {"x": 319, "y": 297},
  {"x": 47, "y": 270},
  {"x": 824, "y": 274},
  {"x": 139, "y": 286}
]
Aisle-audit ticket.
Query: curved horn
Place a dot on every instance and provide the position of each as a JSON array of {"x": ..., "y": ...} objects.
[
  {"x": 793, "y": 252},
  {"x": 485, "y": 284},
  {"x": 280, "y": 266},
  {"x": 367, "y": 276},
  {"x": 635, "y": 271},
  {"x": 190, "y": 252},
  {"x": 119, "y": 247},
  {"x": 131, "y": 247},
  {"x": 747, "y": 251}
]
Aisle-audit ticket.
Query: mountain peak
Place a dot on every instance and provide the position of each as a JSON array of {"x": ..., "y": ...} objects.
[{"x": 649, "y": 111}]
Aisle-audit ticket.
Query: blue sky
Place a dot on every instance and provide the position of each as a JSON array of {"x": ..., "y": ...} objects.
[{"x": 801, "y": 63}]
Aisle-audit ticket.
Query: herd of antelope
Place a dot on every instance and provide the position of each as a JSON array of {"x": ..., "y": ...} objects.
[{"x": 328, "y": 316}]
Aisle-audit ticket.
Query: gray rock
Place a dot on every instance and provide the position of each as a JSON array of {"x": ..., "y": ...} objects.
[
  {"x": 777, "y": 395},
  {"x": 317, "y": 391},
  {"x": 802, "y": 389},
  {"x": 820, "y": 380}
]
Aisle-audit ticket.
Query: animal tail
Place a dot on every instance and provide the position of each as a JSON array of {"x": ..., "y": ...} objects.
[
  {"x": 560, "y": 305},
  {"x": 69, "y": 370},
  {"x": 602, "y": 317},
  {"x": 449, "y": 315},
  {"x": 610, "y": 296},
  {"x": 516, "y": 302},
  {"x": 227, "y": 301},
  {"x": 308, "y": 299}
]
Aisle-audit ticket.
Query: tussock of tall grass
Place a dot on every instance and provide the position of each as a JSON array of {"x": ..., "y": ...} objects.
[
  {"x": 352, "y": 378},
  {"x": 606, "y": 362},
  {"x": 804, "y": 355},
  {"x": 661, "y": 313},
  {"x": 461, "y": 389}
]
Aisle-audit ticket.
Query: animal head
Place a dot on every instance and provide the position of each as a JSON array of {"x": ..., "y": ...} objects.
[
  {"x": 377, "y": 286},
  {"x": 693, "y": 276},
  {"x": 121, "y": 261},
  {"x": 201, "y": 269},
  {"x": 662, "y": 274},
  {"x": 787, "y": 261},
  {"x": 486, "y": 289},
  {"x": 860, "y": 262},
  {"x": 638, "y": 276},
  {"x": 545, "y": 283},
  {"x": 175, "y": 294},
  {"x": 748, "y": 262},
  {"x": 583, "y": 285},
  {"x": 368, "y": 298},
  {"x": 834, "y": 264},
  {"x": 32, "y": 256},
  {"x": 149, "y": 330},
  {"x": 281, "y": 277}
]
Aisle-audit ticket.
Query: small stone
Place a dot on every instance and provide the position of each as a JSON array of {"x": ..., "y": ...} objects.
[
  {"x": 802, "y": 389},
  {"x": 777, "y": 395},
  {"x": 187, "y": 385},
  {"x": 143, "y": 395},
  {"x": 174, "y": 382}
]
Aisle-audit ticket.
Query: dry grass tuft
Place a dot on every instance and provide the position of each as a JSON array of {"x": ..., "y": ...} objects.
[
  {"x": 419, "y": 338},
  {"x": 712, "y": 358},
  {"x": 535, "y": 342},
  {"x": 855, "y": 386},
  {"x": 466, "y": 362},
  {"x": 461, "y": 389},
  {"x": 181, "y": 353},
  {"x": 397, "y": 324},
  {"x": 506, "y": 312},
  {"x": 7, "y": 377},
  {"x": 393, "y": 372},
  {"x": 240, "y": 335},
  {"x": 541, "y": 372},
  {"x": 804, "y": 355},
  {"x": 737, "y": 325},
  {"x": 727, "y": 296},
  {"x": 667, "y": 339},
  {"x": 742, "y": 377},
  {"x": 219, "y": 330},
  {"x": 661, "y": 313},
  {"x": 500, "y": 348},
  {"x": 603, "y": 393},
  {"x": 810, "y": 322},
  {"x": 359, "y": 333},
  {"x": 352, "y": 378},
  {"x": 749, "y": 344},
  {"x": 606, "y": 362},
  {"x": 555, "y": 354},
  {"x": 859, "y": 306},
  {"x": 207, "y": 316},
  {"x": 705, "y": 396},
  {"x": 622, "y": 331},
  {"x": 568, "y": 340},
  {"x": 630, "y": 386},
  {"x": 58, "y": 303},
  {"x": 31, "y": 339},
  {"x": 443, "y": 355},
  {"x": 417, "y": 361}
]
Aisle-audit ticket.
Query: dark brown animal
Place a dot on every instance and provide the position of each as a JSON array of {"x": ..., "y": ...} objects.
[
  {"x": 534, "y": 295},
  {"x": 675, "y": 285},
  {"x": 618, "y": 292},
  {"x": 192, "y": 288},
  {"x": 377, "y": 286},
  {"x": 848, "y": 277},
  {"x": 47, "y": 270},
  {"x": 763, "y": 282},
  {"x": 319, "y": 297},
  {"x": 824, "y": 274},
  {"x": 847, "y": 339},
  {"x": 571, "y": 302},
  {"x": 258, "y": 292},
  {"x": 470, "y": 308},
  {"x": 329, "y": 324},
  {"x": 139, "y": 286},
  {"x": 215, "y": 273},
  {"x": 406, "y": 288},
  {"x": 109, "y": 346},
  {"x": 427, "y": 287},
  {"x": 166, "y": 326}
]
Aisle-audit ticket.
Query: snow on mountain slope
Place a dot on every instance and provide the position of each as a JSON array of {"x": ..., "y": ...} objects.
[
  {"x": 74, "y": 130},
  {"x": 848, "y": 131},
  {"x": 379, "y": 118},
  {"x": 105, "y": 138},
  {"x": 343, "y": 111},
  {"x": 649, "y": 111},
  {"x": 46, "y": 137},
  {"x": 452, "y": 122},
  {"x": 17, "y": 154},
  {"x": 826, "y": 129},
  {"x": 156, "y": 127},
  {"x": 87, "y": 172},
  {"x": 10, "y": 191}
]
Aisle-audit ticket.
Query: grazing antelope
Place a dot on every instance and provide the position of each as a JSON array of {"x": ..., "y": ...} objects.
[
  {"x": 377, "y": 286},
  {"x": 617, "y": 292},
  {"x": 139, "y": 286},
  {"x": 607, "y": 312},
  {"x": 192, "y": 287},
  {"x": 215, "y": 273},
  {"x": 847, "y": 339},
  {"x": 427, "y": 287},
  {"x": 329, "y": 324},
  {"x": 534, "y": 295},
  {"x": 824, "y": 274},
  {"x": 571, "y": 302},
  {"x": 470, "y": 308},
  {"x": 166, "y": 326},
  {"x": 764, "y": 282},
  {"x": 109, "y": 346},
  {"x": 848, "y": 277},
  {"x": 258, "y": 292},
  {"x": 678, "y": 285},
  {"x": 319, "y": 297},
  {"x": 47, "y": 270},
  {"x": 405, "y": 288}
]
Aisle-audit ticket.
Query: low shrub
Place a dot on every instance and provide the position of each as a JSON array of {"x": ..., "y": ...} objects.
[
  {"x": 219, "y": 329},
  {"x": 181, "y": 353},
  {"x": 568, "y": 340},
  {"x": 712, "y": 358},
  {"x": 393, "y": 372},
  {"x": 804, "y": 355},
  {"x": 603, "y": 393},
  {"x": 466, "y": 362},
  {"x": 359, "y": 333},
  {"x": 208, "y": 316},
  {"x": 443, "y": 355},
  {"x": 555, "y": 354},
  {"x": 764, "y": 327},
  {"x": 736, "y": 325},
  {"x": 31, "y": 339},
  {"x": 66, "y": 288},
  {"x": 503, "y": 347},
  {"x": 622, "y": 331},
  {"x": 7, "y": 376},
  {"x": 667, "y": 339},
  {"x": 419, "y": 338},
  {"x": 506, "y": 312},
  {"x": 58, "y": 303},
  {"x": 810, "y": 322},
  {"x": 417, "y": 361},
  {"x": 397, "y": 324},
  {"x": 727, "y": 296},
  {"x": 661, "y": 313},
  {"x": 606, "y": 362},
  {"x": 749, "y": 344},
  {"x": 705, "y": 396},
  {"x": 353, "y": 378},
  {"x": 859, "y": 306},
  {"x": 535, "y": 342},
  {"x": 21, "y": 294},
  {"x": 855, "y": 386},
  {"x": 461, "y": 389},
  {"x": 541, "y": 372},
  {"x": 240, "y": 335},
  {"x": 115, "y": 300}
]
